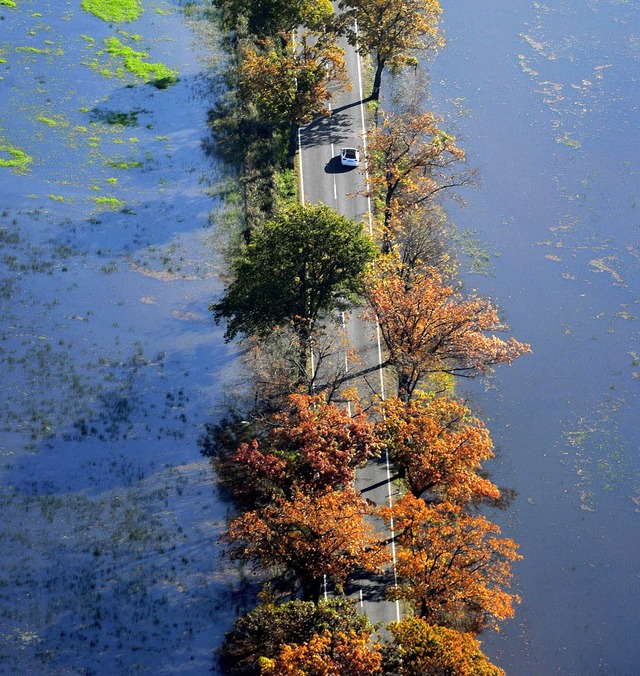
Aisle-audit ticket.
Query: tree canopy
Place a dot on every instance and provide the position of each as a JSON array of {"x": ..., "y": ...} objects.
[
  {"x": 439, "y": 445},
  {"x": 306, "y": 261},
  {"x": 327, "y": 655},
  {"x": 428, "y": 326},
  {"x": 414, "y": 160},
  {"x": 308, "y": 537},
  {"x": 421, "y": 649},
  {"x": 273, "y": 17},
  {"x": 261, "y": 632},
  {"x": 451, "y": 565},
  {"x": 314, "y": 446},
  {"x": 293, "y": 83}
]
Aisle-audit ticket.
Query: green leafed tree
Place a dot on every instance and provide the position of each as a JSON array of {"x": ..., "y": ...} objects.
[
  {"x": 261, "y": 632},
  {"x": 304, "y": 263}
]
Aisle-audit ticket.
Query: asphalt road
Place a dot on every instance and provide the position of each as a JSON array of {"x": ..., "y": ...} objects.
[{"x": 324, "y": 180}]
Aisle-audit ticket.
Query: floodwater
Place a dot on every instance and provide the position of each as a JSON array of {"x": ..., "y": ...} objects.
[
  {"x": 545, "y": 99},
  {"x": 109, "y": 362}
]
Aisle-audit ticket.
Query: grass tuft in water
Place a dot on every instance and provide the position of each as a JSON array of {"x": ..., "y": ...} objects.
[
  {"x": 13, "y": 157},
  {"x": 154, "y": 73}
]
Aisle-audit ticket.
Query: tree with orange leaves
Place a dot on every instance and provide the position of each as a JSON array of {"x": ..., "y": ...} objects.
[
  {"x": 413, "y": 161},
  {"x": 311, "y": 447},
  {"x": 451, "y": 564},
  {"x": 307, "y": 537},
  {"x": 439, "y": 446},
  {"x": 294, "y": 84},
  {"x": 419, "y": 649},
  {"x": 428, "y": 327},
  {"x": 325, "y": 655}
]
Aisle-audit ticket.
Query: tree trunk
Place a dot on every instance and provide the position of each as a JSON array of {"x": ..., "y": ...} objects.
[
  {"x": 377, "y": 80},
  {"x": 293, "y": 145}
]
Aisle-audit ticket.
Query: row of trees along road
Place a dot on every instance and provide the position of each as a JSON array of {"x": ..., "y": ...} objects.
[{"x": 289, "y": 455}]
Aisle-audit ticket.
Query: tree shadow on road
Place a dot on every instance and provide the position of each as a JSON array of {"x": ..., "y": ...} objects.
[{"x": 336, "y": 128}]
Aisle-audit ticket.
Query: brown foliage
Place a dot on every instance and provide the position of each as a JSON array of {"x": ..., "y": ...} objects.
[
  {"x": 421, "y": 649},
  {"x": 439, "y": 445},
  {"x": 308, "y": 537},
  {"x": 428, "y": 327},
  {"x": 452, "y": 565},
  {"x": 325, "y": 655},
  {"x": 312, "y": 446}
]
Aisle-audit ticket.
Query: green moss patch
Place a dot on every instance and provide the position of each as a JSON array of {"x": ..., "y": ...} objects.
[
  {"x": 108, "y": 202},
  {"x": 13, "y": 157},
  {"x": 154, "y": 73},
  {"x": 113, "y": 10}
]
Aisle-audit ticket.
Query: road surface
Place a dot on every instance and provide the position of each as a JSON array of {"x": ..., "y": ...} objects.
[{"x": 324, "y": 180}]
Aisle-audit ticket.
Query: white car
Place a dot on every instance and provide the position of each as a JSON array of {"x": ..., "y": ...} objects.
[{"x": 349, "y": 157}]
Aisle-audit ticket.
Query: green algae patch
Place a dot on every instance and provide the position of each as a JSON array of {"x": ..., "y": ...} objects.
[
  {"x": 14, "y": 157},
  {"x": 108, "y": 202},
  {"x": 153, "y": 73},
  {"x": 8, "y": 3},
  {"x": 123, "y": 164},
  {"x": 33, "y": 50},
  {"x": 113, "y": 10}
]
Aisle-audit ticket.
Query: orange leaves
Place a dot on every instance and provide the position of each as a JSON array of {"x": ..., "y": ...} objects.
[
  {"x": 323, "y": 655},
  {"x": 413, "y": 160},
  {"x": 452, "y": 564},
  {"x": 440, "y": 446},
  {"x": 428, "y": 327},
  {"x": 295, "y": 84},
  {"x": 309, "y": 537}
]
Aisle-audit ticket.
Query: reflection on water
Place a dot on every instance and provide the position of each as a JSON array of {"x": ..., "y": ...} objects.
[
  {"x": 551, "y": 94},
  {"x": 109, "y": 361}
]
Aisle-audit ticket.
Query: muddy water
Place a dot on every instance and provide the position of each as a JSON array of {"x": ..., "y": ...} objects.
[
  {"x": 545, "y": 97},
  {"x": 109, "y": 361}
]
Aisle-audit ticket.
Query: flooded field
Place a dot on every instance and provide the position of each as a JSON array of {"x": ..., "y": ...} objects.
[
  {"x": 109, "y": 361},
  {"x": 545, "y": 97}
]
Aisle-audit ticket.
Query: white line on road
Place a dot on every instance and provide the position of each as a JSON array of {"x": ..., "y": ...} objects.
[{"x": 300, "y": 167}]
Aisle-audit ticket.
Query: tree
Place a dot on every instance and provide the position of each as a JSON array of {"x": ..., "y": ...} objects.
[
  {"x": 419, "y": 236},
  {"x": 439, "y": 445},
  {"x": 414, "y": 160},
  {"x": 293, "y": 84},
  {"x": 276, "y": 371},
  {"x": 326, "y": 655},
  {"x": 422, "y": 649},
  {"x": 312, "y": 447},
  {"x": 428, "y": 327},
  {"x": 451, "y": 565},
  {"x": 274, "y": 17},
  {"x": 306, "y": 262},
  {"x": 392, "y": 29},
  {"x": 308, "y": 537},
  {"x": 261, "y": 632}
]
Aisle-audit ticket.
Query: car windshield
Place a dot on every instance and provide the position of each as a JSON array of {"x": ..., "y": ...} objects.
[{"x": 350, "y": 153}]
